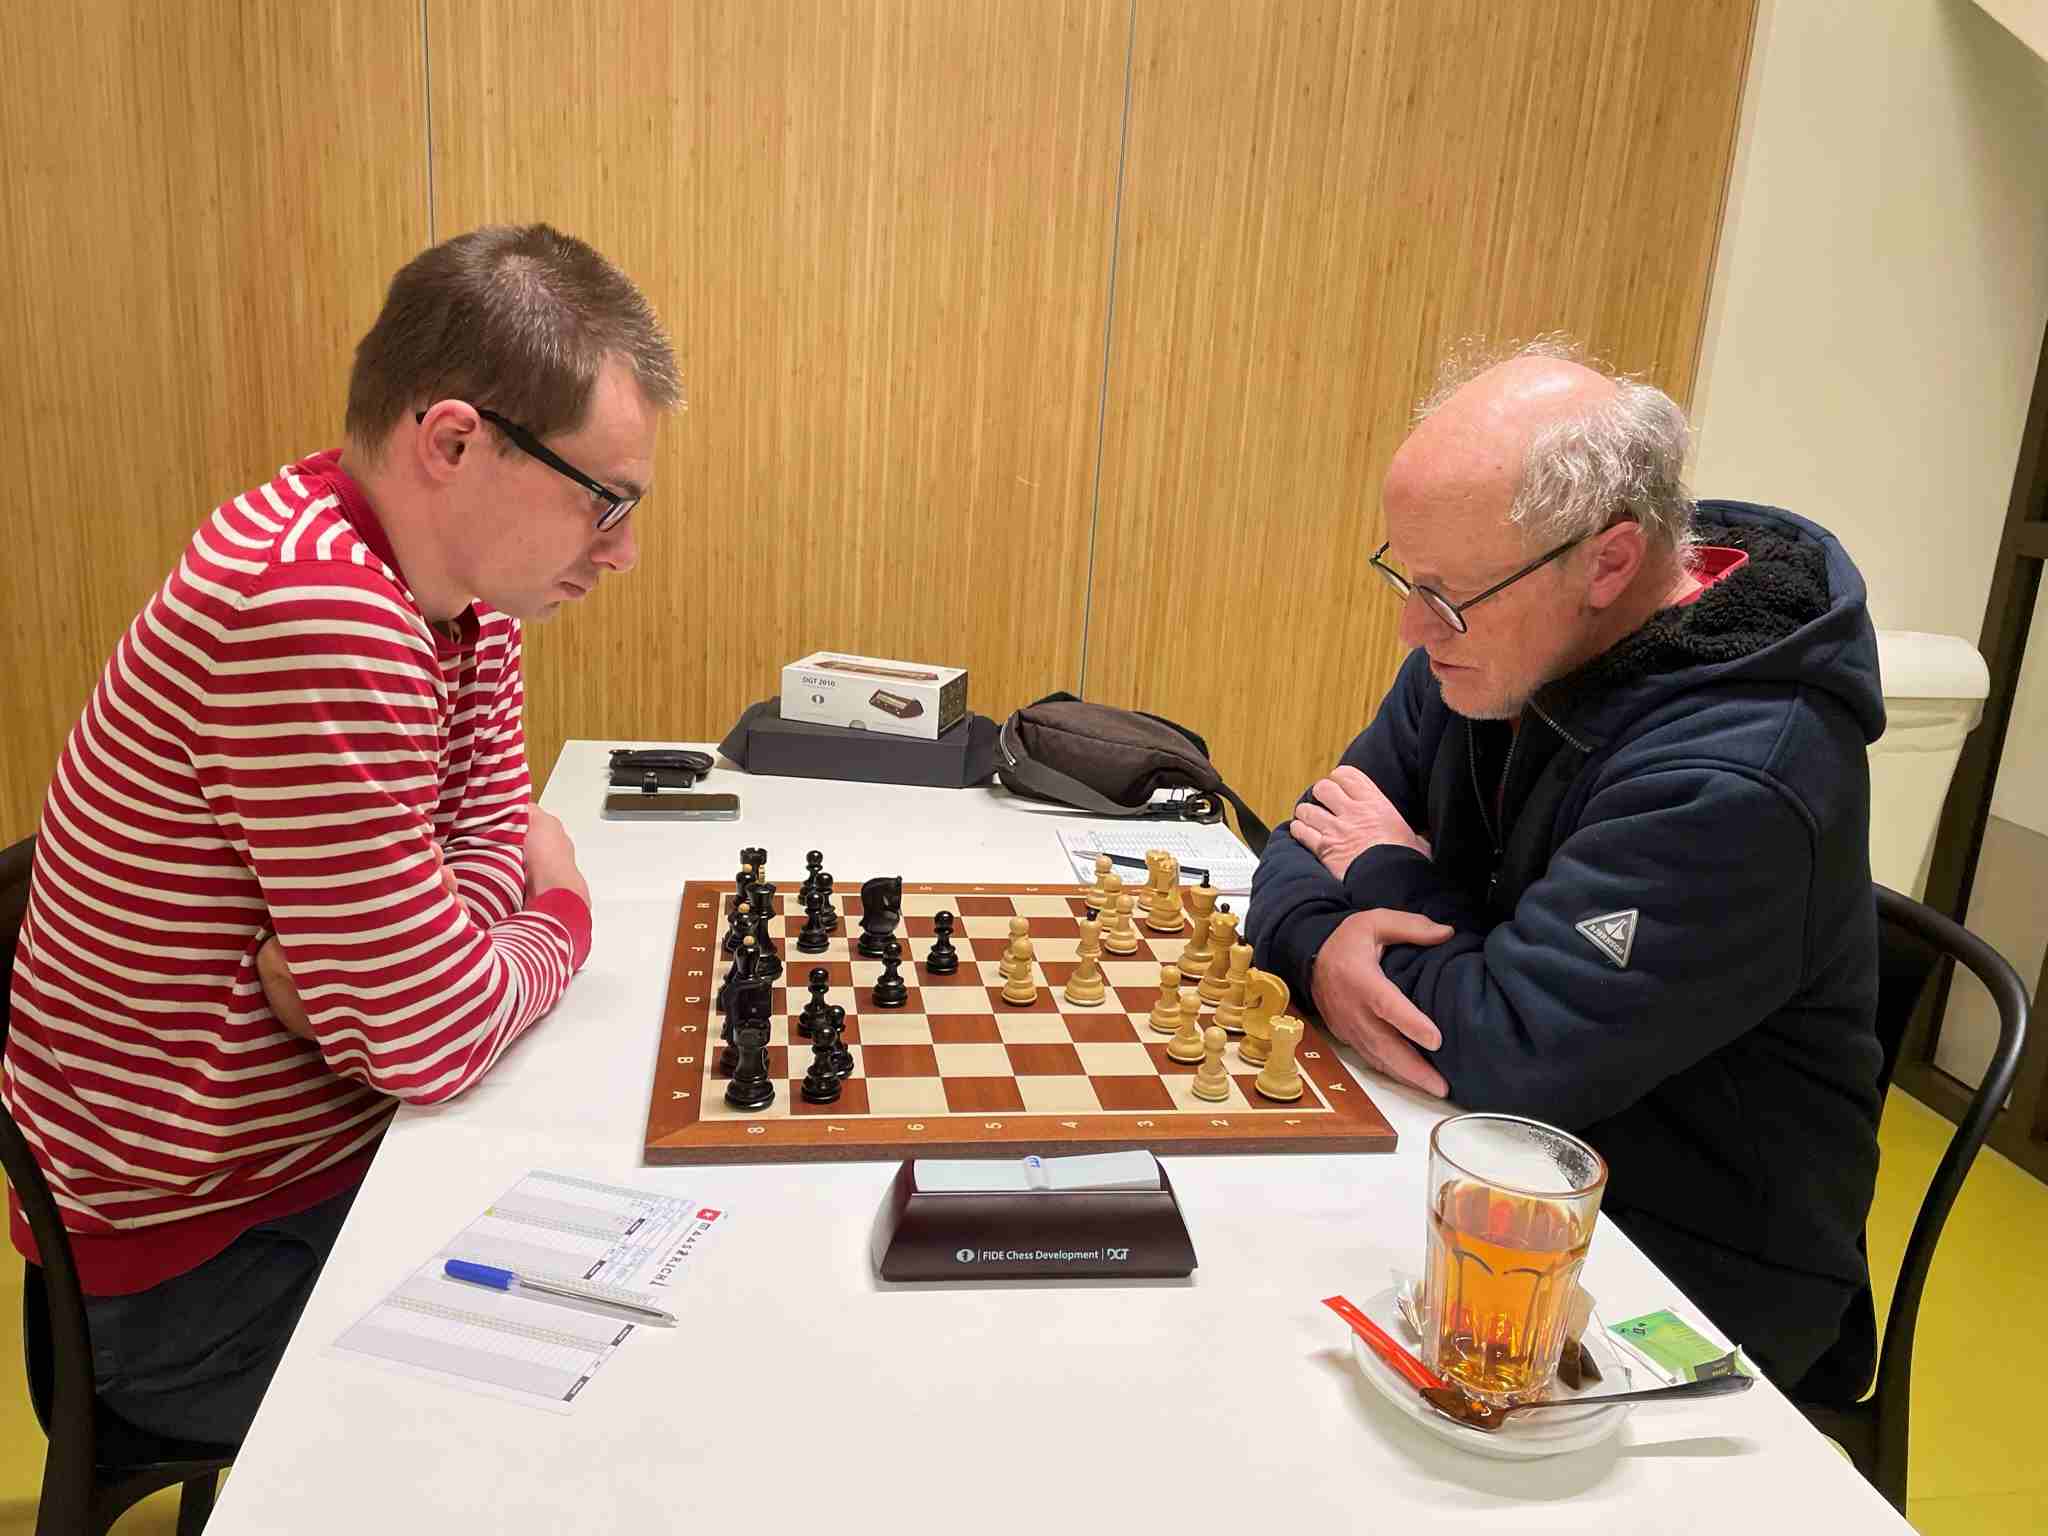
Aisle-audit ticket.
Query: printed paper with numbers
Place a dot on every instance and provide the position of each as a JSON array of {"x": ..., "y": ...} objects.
[
  {"x": 1211, "y": 846},
  {"x": 527, "y": 1347}
]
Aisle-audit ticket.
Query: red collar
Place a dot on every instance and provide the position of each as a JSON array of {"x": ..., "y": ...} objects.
[
  {"x": 1712, "y": 563},
  {"x": 354, "y": 504}
]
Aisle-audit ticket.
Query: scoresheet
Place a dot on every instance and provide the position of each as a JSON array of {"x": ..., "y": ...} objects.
[{"x": 528, "y": 1347}]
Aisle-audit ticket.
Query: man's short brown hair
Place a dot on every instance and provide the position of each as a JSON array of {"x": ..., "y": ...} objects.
[{"x": 516, "y": 318}]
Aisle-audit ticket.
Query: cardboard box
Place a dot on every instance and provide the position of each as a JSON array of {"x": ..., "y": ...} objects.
[{"x": 868, "y": 693}]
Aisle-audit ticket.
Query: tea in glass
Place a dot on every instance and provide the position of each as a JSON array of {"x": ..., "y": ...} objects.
[{"x": 1511, "y": 1213}]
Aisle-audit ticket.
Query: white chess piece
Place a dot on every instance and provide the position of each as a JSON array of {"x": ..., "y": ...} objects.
[{"x": 1212, "y": 1082}]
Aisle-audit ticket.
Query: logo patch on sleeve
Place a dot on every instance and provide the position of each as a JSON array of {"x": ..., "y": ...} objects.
[{"x": 1613, "y": 934}]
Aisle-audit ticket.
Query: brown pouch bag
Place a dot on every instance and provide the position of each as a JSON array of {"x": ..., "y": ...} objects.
[{"x": 1112, "y": 762}]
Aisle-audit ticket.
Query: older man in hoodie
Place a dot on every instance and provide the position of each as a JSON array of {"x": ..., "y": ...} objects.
[{"x": 1601, "y": 858}]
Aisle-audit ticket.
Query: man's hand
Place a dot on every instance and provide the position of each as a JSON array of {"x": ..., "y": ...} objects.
[
  {"x": 448, "y": 878},
  {"x": 551, "y": 858},
  {"x": 1367, "y": 1011},
  {"x": 1349, "y": 814},
  {"x": 280, "y": 990}
]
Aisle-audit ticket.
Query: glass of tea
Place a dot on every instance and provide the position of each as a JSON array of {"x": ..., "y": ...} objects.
[{"x": 1511, "y": 1209}]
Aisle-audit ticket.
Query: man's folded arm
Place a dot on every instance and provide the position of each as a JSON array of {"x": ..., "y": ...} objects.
[
  {"x": 1296, "y": 903},
  {"x": 484, "y": 843},
  {"x": 324, "y": 772},
  {"x": 1704, "y": 876}
]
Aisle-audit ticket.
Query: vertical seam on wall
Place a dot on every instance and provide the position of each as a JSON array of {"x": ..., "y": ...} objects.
[
  {"x": 427, "y": 88},
  {"x": 1116, "y": 226},
  {"x": 1731, "y": 167}
]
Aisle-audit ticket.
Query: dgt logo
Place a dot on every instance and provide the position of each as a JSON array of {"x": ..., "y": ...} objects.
[
  {"x": 1116, "y": 1255},
  {"x": 964, "y": 1256}
]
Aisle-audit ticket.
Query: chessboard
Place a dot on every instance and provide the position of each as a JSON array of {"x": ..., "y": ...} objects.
[{"x": 958, "y": 1070}]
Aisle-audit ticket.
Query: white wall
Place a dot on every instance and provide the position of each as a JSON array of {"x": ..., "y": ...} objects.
[
  {"x": 1881, "y": 291},
  {"x": 1880, "y": 299}
]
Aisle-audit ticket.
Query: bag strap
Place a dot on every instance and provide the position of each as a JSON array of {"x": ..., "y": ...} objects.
[{"x": 1063, "y": 787}]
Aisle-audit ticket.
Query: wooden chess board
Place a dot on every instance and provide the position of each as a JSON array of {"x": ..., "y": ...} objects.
[{"x": 959, "y": 1071}]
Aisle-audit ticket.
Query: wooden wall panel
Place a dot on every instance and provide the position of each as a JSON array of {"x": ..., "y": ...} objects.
[
  {"x": 1318, "y": 202},
  {"x": 200, "y": 205},
  {"x": 880, "y": 236}
]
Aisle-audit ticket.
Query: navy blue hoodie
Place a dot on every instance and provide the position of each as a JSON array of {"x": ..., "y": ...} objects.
[{"x": 1666, "y": 942}]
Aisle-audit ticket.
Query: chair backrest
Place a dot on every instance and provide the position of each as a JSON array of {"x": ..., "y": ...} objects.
[
  {"x": 1913, "y": 933},
  {"x": 59, "y": 1354}
]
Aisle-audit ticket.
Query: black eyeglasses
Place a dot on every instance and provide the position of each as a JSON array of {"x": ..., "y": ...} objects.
[
  {"x": 1452, "y": 613},
  {"x": 615, "y": 506}
]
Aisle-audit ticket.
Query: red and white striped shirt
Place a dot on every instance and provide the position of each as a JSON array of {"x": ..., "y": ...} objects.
[{"x": 277, "y": 745}]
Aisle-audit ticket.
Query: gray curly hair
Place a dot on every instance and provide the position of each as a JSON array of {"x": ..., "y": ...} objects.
[{"x": 1625, "y": 458}]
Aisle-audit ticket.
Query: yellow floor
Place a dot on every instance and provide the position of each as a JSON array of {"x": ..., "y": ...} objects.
[{"x": 1974, "y": 1470}]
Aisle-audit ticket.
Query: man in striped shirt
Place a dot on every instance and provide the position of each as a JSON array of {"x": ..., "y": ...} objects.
[{"x": 288, "y": 871}]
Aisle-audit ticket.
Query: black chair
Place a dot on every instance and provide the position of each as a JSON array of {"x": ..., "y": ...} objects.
[
  {"x": 99, "y": 1464},
  {"x": 1914, "y": 941}
]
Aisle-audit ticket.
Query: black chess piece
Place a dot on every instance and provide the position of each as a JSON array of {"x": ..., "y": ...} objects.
[
  {"x": 890, "y": 991},
  {"x": 739, "y": 927},
  {"x": 881, "y": 908},
  {"x": 745, "y": 967},
  {"x": 751, "y": 1086},
  {"x": 813, "y": 940},
  {"x": 827, "y": 913},
  {"x": 817, "y": 1010},
  {"x": 842, "y": 1057},
  {"x": 942, "y": 959},
  {"x": 821, "y": 1083},
  {"x": 814, "y": 866}
]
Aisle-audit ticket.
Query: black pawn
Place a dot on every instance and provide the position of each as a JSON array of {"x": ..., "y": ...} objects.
[
  {"x": 827, "y": 913},
  {"x": 842, "y": 1057},
  {"x": 751, "y": 1087},
  {"x": 813, "y": 940},
  {"x": 942, "y": 959},
  {"x": 890, "y": 992},
  {"x": 814, "y": 866},
  {"x": 821, "y": 1083},
  {"x": 817, "y": 1010}
]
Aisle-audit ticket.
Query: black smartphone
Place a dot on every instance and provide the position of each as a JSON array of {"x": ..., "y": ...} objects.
[{"x": 636, "y": 805}]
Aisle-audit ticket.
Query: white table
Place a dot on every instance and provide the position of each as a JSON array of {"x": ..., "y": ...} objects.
[{"x": 800, "y": 1392}]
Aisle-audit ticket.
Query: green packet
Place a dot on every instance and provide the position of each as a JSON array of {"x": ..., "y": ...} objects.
[{"x": 1677, "y": 1348}]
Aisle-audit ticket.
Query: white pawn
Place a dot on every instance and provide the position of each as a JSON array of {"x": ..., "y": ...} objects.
[
  {"x": 1121, "y": 936},
  {"x": 1020, "y": 986},
  {"x": 1212, "y": 1082},
  {"x": 1186, "y": 1046},
  {"x": 1166, "y": 1012},
  {"x": 1020, "y": 935},
  {"x": 1097, "y": 895}
]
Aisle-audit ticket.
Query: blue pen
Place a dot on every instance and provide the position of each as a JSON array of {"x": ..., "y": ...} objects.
[{"x": 508, "y": 1280}]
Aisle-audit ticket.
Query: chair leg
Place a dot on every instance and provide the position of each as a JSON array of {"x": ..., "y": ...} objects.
[{"x": 195, "y": 1504}]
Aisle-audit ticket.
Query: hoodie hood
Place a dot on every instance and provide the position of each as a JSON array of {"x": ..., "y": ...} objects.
[{"x": 1794, "y": 614}]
